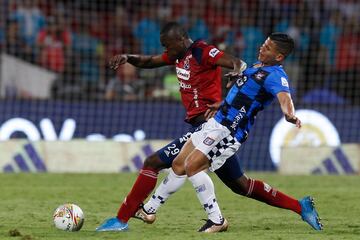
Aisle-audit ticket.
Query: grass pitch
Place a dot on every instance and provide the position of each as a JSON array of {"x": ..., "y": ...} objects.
[{"x": 27, "y": 202}]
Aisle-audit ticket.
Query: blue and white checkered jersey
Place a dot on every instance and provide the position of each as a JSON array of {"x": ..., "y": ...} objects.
[{"x": 251, "y": 93}]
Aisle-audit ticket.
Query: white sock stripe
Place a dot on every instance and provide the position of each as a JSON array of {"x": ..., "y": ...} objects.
[
  {"x": 149, "y": 175},
  {"x": 251, "y": 188},
  {"x": 148, "y": 172}
]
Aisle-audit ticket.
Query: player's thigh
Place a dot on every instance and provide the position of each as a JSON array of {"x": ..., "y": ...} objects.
[
  {"x": 168, "y": 153},
  {"x": 216, "y": 142},
  {"x": 230, "y": 170},
  {"x": 232, "y": 175}
]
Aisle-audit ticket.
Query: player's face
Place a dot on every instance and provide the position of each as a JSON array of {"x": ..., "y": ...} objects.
[
  {"x": 174, "y": 45},
  {"x": 268, "y": 54}
]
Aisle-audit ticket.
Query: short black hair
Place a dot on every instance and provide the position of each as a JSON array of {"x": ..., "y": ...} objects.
[
  {"x": 284, "y": 43},
  {"x": 176, "y": 27}
]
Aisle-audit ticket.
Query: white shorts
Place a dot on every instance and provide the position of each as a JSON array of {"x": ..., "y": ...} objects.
[{"x": 215, "y": 141}]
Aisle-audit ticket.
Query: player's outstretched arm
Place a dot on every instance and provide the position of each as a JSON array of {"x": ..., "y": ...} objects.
[
  {"x": 141, "y": 61},
  {"x": 231, "y": 62},
  {"x": 288, "y": 109}
]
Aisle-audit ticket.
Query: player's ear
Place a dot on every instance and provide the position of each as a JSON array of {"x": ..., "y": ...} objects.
[{"x": 280, "y": 57}]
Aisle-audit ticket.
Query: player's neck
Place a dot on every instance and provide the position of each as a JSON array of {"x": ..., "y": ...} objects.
[
  {"x": 188, "y": 42},
  {"x": 269, "y": 64}
]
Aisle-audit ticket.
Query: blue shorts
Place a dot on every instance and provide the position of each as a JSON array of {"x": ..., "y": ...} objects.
[{"x": 231, "y": 169}]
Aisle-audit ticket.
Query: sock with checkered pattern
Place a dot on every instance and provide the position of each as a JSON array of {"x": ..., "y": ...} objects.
[
  {"x": 171, "y": 184},
  {"x": 205, "y": 192}
]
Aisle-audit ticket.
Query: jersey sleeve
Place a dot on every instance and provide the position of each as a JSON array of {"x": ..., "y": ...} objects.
[
  {"x": 211, "y": 54},
  {"x": 276, "y": 83},
  {"x": 166, "y": 59}
]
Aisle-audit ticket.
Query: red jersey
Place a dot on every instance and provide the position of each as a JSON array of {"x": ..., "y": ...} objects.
[{"x": 199, "y": 77}]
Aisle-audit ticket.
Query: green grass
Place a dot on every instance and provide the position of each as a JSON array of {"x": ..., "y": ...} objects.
[{"x": 27, "y": 202}]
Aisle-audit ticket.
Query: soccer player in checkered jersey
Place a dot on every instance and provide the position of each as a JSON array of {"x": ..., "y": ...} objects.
[{"x": 221, "y": 136}]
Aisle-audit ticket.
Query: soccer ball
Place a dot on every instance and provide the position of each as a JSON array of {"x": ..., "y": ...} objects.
[{"x": 68, "y": 217}]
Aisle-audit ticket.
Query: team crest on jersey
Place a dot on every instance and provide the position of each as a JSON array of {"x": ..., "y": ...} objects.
[
  {"x": 187, "y": 62},
  {"x": 208, "y": 141},
  {"x": 260, "y": 76}
]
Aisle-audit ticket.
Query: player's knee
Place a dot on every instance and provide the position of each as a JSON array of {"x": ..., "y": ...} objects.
[
  {"x": 178, "y": 167},
  {"x": 241, "y": 185},
  {"x": 153, "y": 161},
  {"x": 192, "y": 167}
]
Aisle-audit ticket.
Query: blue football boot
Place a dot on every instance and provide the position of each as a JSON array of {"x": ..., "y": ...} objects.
[
  {"x": 309, "y": 213},
  {"x": 113, "y": 225}
]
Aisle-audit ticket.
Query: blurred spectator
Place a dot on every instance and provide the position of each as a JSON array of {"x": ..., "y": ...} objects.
[
  {"x": 14, "y": 45},
  {"x": 147, "y": 31},
  {"x": 216, "y": 15},
  {"x": 68, "y": 85},
  {"x": 54, "y": 44},
  {"x": 88, "y": 52},
  {"x": 193, "y": 21},
  {"x": 297, "y": 30},
  {"x": 296, "y": 26},
  {"x": 349, "y": 8},
  {"x": 329, "y": 35},
  {"x": 253, "y": 37},
  {"x": 125, "y": 85},
  {"x": 348, "y": 61},
  {"x": 31, "y": 20},
  {"x": 121, "y": 38}
]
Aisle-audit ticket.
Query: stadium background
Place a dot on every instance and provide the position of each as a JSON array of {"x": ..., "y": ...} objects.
[{"x": 54, "y": 67}]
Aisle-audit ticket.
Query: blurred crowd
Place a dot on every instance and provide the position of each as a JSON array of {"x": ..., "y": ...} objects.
[{"x": 75, "y": 39}]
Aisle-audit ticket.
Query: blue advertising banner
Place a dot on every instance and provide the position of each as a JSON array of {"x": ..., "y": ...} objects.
[{"x": 134, "y": 121}]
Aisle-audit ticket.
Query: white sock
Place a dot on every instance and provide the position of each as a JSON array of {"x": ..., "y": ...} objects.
[
  {"x": 171, "y": 184},
  {"x": 205, "y": 191}
]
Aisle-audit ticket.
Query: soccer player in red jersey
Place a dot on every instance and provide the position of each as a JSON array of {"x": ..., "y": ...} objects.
[{"x": 198, "y": 68}]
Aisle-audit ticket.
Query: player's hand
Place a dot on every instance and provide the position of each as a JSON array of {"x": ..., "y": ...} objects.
[
  {"x": 117, "y": 60},
  {"x": 212, "y": 109},
  {"x": 232, "y": 77},
  {"x": 294, "y": 120}
]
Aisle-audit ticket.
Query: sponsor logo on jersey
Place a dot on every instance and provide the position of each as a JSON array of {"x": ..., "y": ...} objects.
[
  {"x": 185, "y": 137},
  {"x": 208, "y": 141},
  {"x": 182, "y": 73},
  {"x": 184, "y": 85},
  {"x": 213, "y": 52},
  {"x": 238, "y": 117},
  {"x": 284, "y": 82}
]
